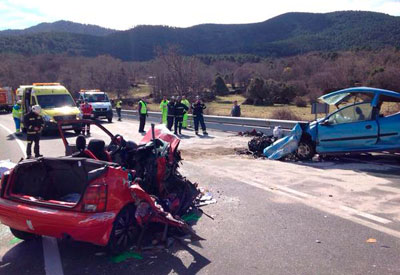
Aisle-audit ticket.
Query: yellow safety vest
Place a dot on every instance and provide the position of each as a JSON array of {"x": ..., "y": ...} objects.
[
  {"x": 185, "y": 102},
  {"x": 164, "y": 105},
  {"x": 17, "y": 111},
  {"x": 143, "y": 109},
  {"x": 118, "y": 104}
]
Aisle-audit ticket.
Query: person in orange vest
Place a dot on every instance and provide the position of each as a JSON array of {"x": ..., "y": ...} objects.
[{"x": 87, "y": 113}]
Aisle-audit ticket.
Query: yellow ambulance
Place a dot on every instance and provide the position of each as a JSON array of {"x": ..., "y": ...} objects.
[{"x": 55, "y": 101}]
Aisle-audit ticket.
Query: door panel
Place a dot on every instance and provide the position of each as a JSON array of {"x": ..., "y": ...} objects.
[{"x": 352, "y": 128}]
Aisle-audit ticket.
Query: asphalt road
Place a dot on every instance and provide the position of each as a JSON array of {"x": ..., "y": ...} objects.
[{"x": 271, "y": 217}]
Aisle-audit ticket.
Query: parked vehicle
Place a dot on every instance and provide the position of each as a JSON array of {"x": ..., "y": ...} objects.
[
  {"x": 105, "y": 195},
  {"x": 100, "y": 102},
  {"x": 7, "y": 99},
  {"x": 369, "y": 121},
  {"x": 55, "y": 101}
]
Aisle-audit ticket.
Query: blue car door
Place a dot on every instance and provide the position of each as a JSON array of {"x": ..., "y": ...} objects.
[{"x": 350, "y": 129}]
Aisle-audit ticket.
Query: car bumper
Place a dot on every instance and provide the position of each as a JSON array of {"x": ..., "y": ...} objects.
[
  {"x": 87, "y": 227},
  {"x": 53, "y": 126},
  {"x": 107, "y": 114}
]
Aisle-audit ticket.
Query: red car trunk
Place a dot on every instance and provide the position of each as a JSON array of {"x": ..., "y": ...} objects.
[{"x": 60, "y": 182}]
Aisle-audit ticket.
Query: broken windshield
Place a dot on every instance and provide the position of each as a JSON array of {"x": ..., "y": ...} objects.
[
  {"x": 346, "y": 98},
  {"x": 333, "y": 99}
]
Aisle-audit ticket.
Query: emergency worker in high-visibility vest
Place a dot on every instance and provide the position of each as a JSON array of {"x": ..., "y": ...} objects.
[
  {"x": 142, "y": 110},
  {"x": 118, "y": 105},
  {"x": 164, "y": 110},
  {"x": 185, "y": 102},
  {"x": 17, "y": 115}
]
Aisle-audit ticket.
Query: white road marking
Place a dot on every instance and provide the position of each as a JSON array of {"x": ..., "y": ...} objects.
[
  {"x": 17, "y": 139},
  {"x": 345, "y": 212},
  {"x": 366, "y": 215},
  {"x": 52, "y": 260}
]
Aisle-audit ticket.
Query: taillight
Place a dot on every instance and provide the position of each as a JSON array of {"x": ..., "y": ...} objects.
[
  {"x": 95, "y": 198},
  {"x": 3, "y": 182}
]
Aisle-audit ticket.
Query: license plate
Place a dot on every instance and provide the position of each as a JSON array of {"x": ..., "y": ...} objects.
[{"x": 66, "y": 127}]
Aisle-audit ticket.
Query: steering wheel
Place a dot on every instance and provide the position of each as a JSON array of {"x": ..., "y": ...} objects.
[{"x": 117, "y": 142}]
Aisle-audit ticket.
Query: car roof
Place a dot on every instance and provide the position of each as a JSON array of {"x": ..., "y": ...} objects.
[{"x": 338, "y": 96}]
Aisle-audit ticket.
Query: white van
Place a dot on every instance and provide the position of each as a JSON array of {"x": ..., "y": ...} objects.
[{"x": 100, "y": 102}]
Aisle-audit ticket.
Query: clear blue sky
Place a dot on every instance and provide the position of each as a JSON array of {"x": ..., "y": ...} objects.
[{"x": 125, "y": 14}]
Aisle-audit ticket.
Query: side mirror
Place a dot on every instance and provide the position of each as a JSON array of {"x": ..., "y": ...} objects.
[{"x": 325, "y": 123}]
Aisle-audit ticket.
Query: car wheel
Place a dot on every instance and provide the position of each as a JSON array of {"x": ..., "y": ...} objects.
[
  {"x": 125, "y": 231},
  {"x": 23, "y": 235},
  {"x": 305, "y": 150},
  {"x": 109, "y": 119}
]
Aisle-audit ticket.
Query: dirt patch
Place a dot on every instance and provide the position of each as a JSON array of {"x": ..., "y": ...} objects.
[{"x": 196, "y": 153}]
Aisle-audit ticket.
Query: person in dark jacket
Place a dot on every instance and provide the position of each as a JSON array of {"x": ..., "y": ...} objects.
[
  {"x": 171, "y": 113},
  {"x": 180, "y": 110},
  {"x": 198, "y": 108},
  {"x": 235, "y": 112},
  {"x": 34, "y": 125}
]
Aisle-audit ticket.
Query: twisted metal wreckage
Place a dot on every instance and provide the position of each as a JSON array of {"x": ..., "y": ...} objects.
[
  {"x": 365, "y": 122},
  {"x": 120, "y": 195}
]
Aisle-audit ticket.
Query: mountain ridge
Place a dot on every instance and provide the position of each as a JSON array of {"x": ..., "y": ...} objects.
[{"x": 284, "y": 35}]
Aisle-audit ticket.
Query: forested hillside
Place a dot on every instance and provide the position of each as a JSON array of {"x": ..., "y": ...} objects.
[
  {"x": 62, "y": 26},
  {"x": 285, "y": 35}
]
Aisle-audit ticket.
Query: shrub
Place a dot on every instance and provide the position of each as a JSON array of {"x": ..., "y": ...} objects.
[
  {"x": 300, "y": 101},
  {"x": 284, "y": 114},
  {"x": 219, "y": 86}
]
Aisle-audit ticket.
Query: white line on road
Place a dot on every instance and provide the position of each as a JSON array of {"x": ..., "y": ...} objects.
[
  {"x": 345, "y": 212},
  {"x": 52, "y": 260},
  {"x": 366, "y": 215},
  {"x": 19, "y": 142}
]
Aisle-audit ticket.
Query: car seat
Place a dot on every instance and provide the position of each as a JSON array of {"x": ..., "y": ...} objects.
[
  {"x": 82, "y": 152},
  {"x": 80, "y": 143},
  {"x": 97, "y": 147}
]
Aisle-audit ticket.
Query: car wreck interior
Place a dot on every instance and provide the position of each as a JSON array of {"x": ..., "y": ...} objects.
[{"x": 53, "y": 179}]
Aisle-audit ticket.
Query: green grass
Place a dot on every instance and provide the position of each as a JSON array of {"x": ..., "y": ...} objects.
[
  {"x": 223, "y": 104},
  {"x": 142, "y": 91}
]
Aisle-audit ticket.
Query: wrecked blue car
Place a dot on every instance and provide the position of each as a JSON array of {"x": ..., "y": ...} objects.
[{"x": 366, "y": 120}]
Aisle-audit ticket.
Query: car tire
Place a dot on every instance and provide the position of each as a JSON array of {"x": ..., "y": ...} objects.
[
  {"x": 305, "y": 150},
  {"x": 26, "y": 236},
  {"x": 109, "y": 119},
  {"x": 125, "y": 231}
]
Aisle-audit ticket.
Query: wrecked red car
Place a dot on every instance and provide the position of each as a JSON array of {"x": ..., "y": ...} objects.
[{"x": 105, "y": 195}]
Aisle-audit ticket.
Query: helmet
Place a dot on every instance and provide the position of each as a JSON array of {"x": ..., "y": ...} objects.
[
  {"x": 19, "y": 102},
  {"x": 36, "y": 109}
]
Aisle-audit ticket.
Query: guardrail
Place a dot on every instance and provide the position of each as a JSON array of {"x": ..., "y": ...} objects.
[{"x": 225, "y": 123}]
